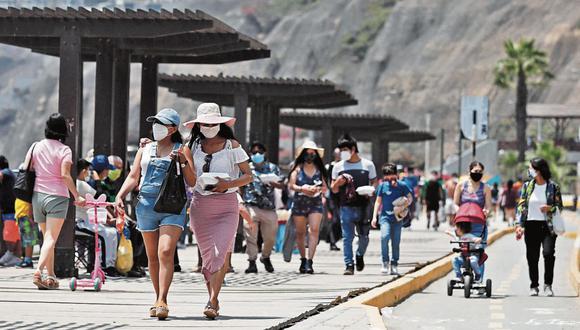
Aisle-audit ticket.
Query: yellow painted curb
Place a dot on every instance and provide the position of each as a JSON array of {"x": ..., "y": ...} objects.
[
  {"x": 575, "y": 265},
  {"x": 395, "y": 292}
]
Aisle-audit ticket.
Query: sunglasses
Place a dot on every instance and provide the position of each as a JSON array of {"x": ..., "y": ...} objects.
[{"x": 207, "y": 159}]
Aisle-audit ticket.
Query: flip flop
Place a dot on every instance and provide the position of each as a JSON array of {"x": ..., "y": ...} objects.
[{"x": 37, "y": 280}]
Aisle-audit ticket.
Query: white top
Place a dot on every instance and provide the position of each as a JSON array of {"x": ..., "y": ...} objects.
[
  {"x": 537, "y": 200},
  {"x": 83, "y": 188},
  {"x": 223, "y": 161},
  {"x": 148, "y": 150}
]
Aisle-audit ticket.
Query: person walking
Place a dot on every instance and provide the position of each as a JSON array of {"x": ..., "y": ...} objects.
[
  {"x": 308, "y": 181},
  {"x": 509, "y": 202},
  {"x": 332, "y": 207},
  {"x": 347, "y": 175},
  {"x": 390, "y": 192},
  {"x": 260, "y": 202},
  {"x": 540, "y": 200},
  {"x": 9, "y": 233},
  {"x": 450, "y": 208},
  {"x": 432, "y": 199},
  {"x": 160, "y": 230},
  {"x": 51, "y": 160},
  {"x": 214, "y": 212},
  {"x": 475, "y": 191}
]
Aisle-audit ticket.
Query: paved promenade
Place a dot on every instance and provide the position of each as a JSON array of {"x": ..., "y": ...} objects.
[{"x": 248, "y": 301}]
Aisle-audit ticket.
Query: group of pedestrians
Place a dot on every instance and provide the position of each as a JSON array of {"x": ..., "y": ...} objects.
[{"x": 227, "y": 183}]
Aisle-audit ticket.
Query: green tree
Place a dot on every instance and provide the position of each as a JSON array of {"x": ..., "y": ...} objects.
[
  {"x": 556, "y": 158},
  {"x": 525, "y": 64}
]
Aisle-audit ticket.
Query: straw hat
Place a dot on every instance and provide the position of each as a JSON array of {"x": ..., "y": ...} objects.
[
  {"x": 209, "y": 113},
  {"x": 310, "y": 145}
]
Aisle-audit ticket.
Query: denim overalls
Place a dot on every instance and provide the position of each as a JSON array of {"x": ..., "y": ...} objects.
[{"x": 147, "y": 219}]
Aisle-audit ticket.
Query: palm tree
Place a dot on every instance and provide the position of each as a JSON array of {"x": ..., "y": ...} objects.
[{"x": 524, "y": 64}]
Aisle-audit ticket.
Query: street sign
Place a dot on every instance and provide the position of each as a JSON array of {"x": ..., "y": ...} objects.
[{"x": 474, "y": 117}]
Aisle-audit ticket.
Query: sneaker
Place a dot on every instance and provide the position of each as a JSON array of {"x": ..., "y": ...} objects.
[
  {"x": 548, "y": 290},
  {"x": 477, "y": 279},
  {"x": 5, "y": 257},
  {"x": 302, "y": 268},
  {"x": 176, "y": 268},
  {"x": 25, "y": 264},
  {"x": 252, "y": 268},
  {"x": 11, "y": 261},
  {"x": 386, "y": 269},
  {"x": 309, "y": 269},
  {"x": 360, "y": 263},
  {"x": 111, "y": 272},
  {"x": 180, "y": 246},
  {"x": 534, "y": 292},
  {"x": 394, "y": 270},
  {"x": 267, "y": 264},
  {"x": 349, "y": 270},
  {"x": 333, "y": 247},
  {"x": 136, "y": 272}
]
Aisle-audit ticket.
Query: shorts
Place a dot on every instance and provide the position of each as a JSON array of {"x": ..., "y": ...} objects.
[
  {"x": 304, "y": 206},
  {"x": 148, "y": 220},
  {"x": 28, "y": 231},
  {"x": 432, "y": 206},
  {"x": 48, "y": 206}
]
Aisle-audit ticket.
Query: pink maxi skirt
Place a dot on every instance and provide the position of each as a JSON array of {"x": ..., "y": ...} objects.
[{"x": 214, "y": 221}]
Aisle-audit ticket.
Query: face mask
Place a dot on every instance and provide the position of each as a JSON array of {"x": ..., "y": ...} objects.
[
  {"x": 258, "y": 158},
  {"x": 345, "y": 155},
  {"x": 532, "y": 173},
  {"x": 114, "y": 174},
  {"x": 210, "y": 132},
  {"x": 309, "y": 158},
  {"x": 87, "y": 177},
  {"x": 160, "y": 132},
  {"x": 476, "y": 176}
]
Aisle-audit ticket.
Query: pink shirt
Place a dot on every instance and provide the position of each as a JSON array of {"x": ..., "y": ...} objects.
[{"x": 48, "y": 156}]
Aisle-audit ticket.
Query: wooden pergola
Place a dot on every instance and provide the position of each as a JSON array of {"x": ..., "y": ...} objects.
[
  {"x": 363, "y": 127},
  {"x": 265, "y": 96},
  {"x": 114, "y": 39},
  {"x": 562, "y": 114}
]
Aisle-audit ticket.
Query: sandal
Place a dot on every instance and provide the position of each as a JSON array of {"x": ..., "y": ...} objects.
[
  {"x": 162, "y": 312},
  {"x": 51, "y": 283},
  {"x": 37, "y": 280},
  {"x": 211, "y": 312},
  {"x": 153, "y": 311}
]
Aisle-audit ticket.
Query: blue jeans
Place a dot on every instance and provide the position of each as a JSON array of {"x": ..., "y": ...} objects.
[
  {"x": 480, "y": 230},
  {"x": 351, "y": 219},
  {"x": 473, "y": 260},
  {"x": 390, "y": 231}
]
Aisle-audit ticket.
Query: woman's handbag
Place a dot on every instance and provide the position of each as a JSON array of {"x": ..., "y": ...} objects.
[
  {"x": 24, "y": 185},
  {"x": 172, "y": 195},
  {"x": 558, "y": 223}
]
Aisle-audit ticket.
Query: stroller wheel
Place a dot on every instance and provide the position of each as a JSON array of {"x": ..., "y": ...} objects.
[
  {"x": 97, "y": 285},
  {"x": 467, "y": 280},
  {"x": 450, "y": 285},
  {"x": 488, "y": 288},
  {"x": 73, "y": 284}
]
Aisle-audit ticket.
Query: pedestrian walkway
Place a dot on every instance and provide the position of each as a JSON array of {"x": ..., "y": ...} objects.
[
  {"x": 255, "y": 301},
  {"x": 510, "y": 307}
]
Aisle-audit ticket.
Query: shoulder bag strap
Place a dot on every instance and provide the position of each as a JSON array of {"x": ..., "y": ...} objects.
[{"x": 30, "y": 159}]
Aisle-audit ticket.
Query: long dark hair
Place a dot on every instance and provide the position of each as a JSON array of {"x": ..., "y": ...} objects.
[
  {"x": 225, "y": 132},
  {"x": 299, "y": 161},
  {"x": 541, "y": 165}
]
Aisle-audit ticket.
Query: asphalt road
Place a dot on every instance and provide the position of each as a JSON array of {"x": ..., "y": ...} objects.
[{"x": 510, "y": 306}]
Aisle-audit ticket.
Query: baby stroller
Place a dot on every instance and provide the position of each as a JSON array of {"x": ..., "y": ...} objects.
[
  {"x": 96, "y": 214},
  {"x": 472, "y": 213}
]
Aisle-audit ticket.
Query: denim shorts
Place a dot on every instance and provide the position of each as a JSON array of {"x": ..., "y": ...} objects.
[
  {"x": 48, "y": 206},
  {"x": 303, "y": 206},
  {"x": 148, "y": 220}
]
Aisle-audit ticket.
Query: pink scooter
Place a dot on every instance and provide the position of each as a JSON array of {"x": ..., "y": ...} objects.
[{"x": 97, "y": 275}]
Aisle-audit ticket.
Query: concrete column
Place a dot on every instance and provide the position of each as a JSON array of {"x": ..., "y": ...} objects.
[
  {"x": 103, "y": 98},
  {"x": 148, "y": 95},
  {"x": 120, "y": 113}
]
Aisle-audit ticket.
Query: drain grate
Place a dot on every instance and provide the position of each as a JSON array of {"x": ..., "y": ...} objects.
[{"x": 59, "y": 325}]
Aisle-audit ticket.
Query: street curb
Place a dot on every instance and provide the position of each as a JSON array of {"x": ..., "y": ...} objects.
[
  {"x": 575, "y": 265},
  {"x": 397, "y": 291}
]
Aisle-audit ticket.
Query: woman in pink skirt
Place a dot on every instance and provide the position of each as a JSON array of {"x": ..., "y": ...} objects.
[{"x": 214, "y": 206}]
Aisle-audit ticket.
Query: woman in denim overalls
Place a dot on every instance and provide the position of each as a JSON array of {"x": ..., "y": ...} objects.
[{"x": 160, "y": 231}]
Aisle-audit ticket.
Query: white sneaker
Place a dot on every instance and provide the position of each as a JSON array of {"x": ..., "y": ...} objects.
[
  {"x": 548, "y": 290},
  {"x": 386, "y": 269},
  {"x": 394, "y": 270},
  {"x": 5, "y": 257},
  {"x": 12, "y": 261},
  {"x": 534, "y": 292}
]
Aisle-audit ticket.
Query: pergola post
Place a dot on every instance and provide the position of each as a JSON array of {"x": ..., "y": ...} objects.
[
  {"x": 241, "y": 114},
  {"x": 273, "y": 137},
  {"x": 103, "y": 98},
  {"x": 256, "y": 123},
  {"x": 148, "y": 94},
  {"x": 70, "y": 102},
  {"x": 327, "y": 142},
  {"x": 120, "y": 113},
  {"x": 379, "y": 152}
]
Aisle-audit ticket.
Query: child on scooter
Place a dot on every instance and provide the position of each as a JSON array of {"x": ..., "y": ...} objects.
[{"x": 463, "y": 233}]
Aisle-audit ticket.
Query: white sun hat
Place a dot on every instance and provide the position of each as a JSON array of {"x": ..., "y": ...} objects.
[
  {"x": 209, "y": 113},
  {"x": 310, "y": 145}
]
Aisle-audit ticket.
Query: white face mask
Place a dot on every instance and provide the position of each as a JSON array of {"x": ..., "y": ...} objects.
[
  {"x": 210, "y": 132},
  {"x": 345, "y": 155},
  {"x": 160, "y": 132}
]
